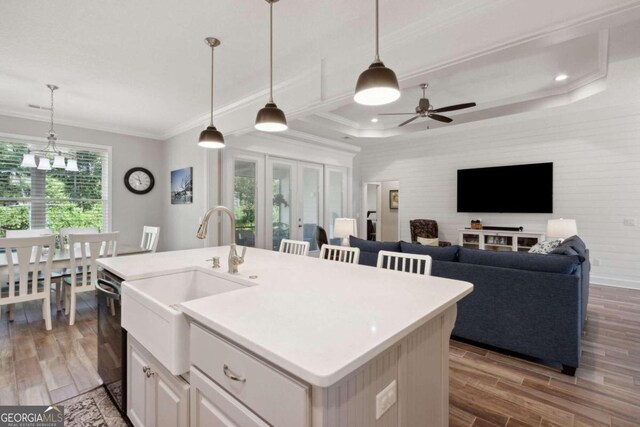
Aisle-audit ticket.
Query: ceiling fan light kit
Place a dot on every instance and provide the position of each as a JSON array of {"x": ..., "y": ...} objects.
[
  {"x": 377, "y": 85},
  {"x": 271, "y": 118},
  {"x": 211, "y": 137}
]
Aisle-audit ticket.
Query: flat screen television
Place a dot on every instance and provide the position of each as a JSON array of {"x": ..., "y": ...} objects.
[{"x": 507, "y": 189}]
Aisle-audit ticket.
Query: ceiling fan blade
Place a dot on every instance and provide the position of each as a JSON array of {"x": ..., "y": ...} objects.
[
  {"x": 393, "y": 114},
  {"x": 409, "y": 121},
  {"x": 440, "y": 118},
  {"x": 454, "y": 107}
]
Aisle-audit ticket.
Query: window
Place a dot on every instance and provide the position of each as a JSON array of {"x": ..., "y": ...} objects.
[{"x": 31, "y": 198}]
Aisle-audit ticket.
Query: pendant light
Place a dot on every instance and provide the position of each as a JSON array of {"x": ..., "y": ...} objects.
[
  {"x": 271, "y": 118},
  {"x": 211, "y": 137},
  {"x": 377, "y": 85}
]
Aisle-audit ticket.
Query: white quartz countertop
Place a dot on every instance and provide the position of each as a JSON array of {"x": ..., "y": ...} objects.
[{"x": 318, "y": 320}]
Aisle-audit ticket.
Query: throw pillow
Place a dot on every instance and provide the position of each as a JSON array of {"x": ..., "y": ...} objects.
[
  {"x": 545, "y": 247},
  {"x": 428, "y": 242}
]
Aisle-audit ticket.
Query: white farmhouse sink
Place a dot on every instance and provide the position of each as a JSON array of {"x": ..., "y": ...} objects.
[{"x": 150, "y": 312}]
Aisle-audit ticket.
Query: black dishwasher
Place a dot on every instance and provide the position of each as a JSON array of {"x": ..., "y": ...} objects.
[{"x": 112, "y": 342}]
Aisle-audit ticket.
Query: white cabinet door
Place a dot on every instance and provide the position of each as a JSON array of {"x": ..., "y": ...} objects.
[
  {"x": 171, "y": 406},
  {"x": 211, "y": 406},
  {"x": 138, "y": 390},
  {"x": 155, "y": 398}
]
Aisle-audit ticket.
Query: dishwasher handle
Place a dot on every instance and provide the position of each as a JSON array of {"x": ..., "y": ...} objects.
[{"x": 101, "y": 287}]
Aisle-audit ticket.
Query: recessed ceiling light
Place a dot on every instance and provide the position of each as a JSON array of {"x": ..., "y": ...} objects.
[
  {"x": 561, "y": 77},
  {"x": 374, "y": 120}
]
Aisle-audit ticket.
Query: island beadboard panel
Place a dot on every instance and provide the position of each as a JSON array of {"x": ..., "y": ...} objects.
[
  {"x": 419, "y": 364},
  {"x": 595, "y": 159}
]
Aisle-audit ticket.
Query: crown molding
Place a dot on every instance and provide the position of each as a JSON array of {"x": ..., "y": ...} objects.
[{"x": 82, "y": 125}]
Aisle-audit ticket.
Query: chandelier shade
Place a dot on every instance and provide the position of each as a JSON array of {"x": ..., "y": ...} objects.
[
  {"x": 72, "y": 165},
  {"x": 44, "y": 164},
  {"x": 58, "y": 162},
  {"x": 28, "y": 161}
]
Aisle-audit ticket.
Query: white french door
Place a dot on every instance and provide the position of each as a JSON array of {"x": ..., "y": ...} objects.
[{"x": 296, "y": 192}]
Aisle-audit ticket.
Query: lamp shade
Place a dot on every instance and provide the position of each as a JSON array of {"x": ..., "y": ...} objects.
[
  {"x": 377, "y": 85},
  {"x": 44, "y": 164},
  {"x": 561, "y": 228},
  {"x": 271, "y": 119},
  {"x": 28, "y": 161},
  {"x": 58, "y": 162},
  {"x": 211, "y": 138},
  {"x": 72, "y": 165},
  {"x": 345, "y": 227}
]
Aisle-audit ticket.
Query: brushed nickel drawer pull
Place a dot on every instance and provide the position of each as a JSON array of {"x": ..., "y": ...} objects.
[{"x": 232, "y": 376}]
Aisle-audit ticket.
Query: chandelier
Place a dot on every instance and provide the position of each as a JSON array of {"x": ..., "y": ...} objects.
[{"x": 51, "y": 150}]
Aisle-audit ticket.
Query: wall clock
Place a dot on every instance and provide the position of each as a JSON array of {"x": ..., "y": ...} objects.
[{"x": 139, "y": 180}]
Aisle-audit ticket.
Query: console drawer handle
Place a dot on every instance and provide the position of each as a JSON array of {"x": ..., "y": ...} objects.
[{"x": 232, "y": 376}]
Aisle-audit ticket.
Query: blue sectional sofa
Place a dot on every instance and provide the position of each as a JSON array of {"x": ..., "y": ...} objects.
[{"x": 530, "y": 304}]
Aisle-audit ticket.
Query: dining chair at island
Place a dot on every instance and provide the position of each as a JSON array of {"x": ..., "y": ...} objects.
[
  {"x": 30, "y": 256},
  {"x": 34, "y": 232},
  {"x": 84, "y": 251},
  {"x": 150, "y": 236},
  {"x": 294, "y": 247},
  {"x": 340, "y": 253},
  {"x": 407, "y": 263}
]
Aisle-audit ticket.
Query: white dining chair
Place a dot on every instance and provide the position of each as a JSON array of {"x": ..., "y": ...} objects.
[
  {"x": 34, "y": 255},
  {"x": 294, "y": 247},
  {"x": 84, "y": 251},
  {"x": 65, "y": 232},
  {"x": 340, "y": 253},
  {"x": 408, "y": 263},
  {"x": 150, "y": 237}
]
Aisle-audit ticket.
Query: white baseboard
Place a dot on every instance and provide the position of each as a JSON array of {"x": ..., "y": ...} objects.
[{"x": 610, "y": 281}]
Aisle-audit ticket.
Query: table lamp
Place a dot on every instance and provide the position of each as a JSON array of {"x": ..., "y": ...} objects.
[
  {"x": 345, "y": 227},
  {"x": 561, "y": 228}
]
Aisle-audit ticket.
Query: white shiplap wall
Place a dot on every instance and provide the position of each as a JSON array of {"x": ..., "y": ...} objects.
[{"x": 596, "y": 156}]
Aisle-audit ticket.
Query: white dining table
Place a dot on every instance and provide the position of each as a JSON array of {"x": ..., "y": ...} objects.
[{"x": 62, "y": 259}]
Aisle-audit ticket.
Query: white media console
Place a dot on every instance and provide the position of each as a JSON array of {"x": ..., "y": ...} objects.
[{"x": 499, "y": 240}]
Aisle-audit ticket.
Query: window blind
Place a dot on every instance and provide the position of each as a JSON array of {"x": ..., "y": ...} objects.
[{"x": 31, "y": 198}]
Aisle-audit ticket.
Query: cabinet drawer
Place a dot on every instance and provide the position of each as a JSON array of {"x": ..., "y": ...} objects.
[{"x": 279, "y": 399}]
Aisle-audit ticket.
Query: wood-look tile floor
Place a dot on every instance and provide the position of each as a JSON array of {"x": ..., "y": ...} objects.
[
  {"x": 492, "y": 389},
  {"x": 487, "y": 388},
  {"x": 40, "y": 367}
]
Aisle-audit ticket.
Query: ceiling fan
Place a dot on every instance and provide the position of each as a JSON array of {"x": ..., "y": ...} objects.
[{"x": 425, "y": 109}]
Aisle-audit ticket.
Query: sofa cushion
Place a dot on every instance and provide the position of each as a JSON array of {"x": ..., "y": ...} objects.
[
  {"x": 369, "y": 249},
  {"x": 573, "y": 242},
  {"x": 548, "y": 263},
  {"x": 437, "y": 253},
  {"x": 545, "y": 247}
]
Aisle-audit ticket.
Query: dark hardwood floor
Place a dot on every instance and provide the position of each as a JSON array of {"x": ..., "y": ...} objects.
[{"x": 487, "y": 388}]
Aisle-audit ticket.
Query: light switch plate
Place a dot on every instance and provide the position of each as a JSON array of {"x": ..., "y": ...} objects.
[
  {"x": 386, "y": 399},
  {"x": 629, "y": 222}
]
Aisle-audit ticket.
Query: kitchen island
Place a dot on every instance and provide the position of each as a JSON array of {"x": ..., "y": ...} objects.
[{"x": 293, "y": 340}]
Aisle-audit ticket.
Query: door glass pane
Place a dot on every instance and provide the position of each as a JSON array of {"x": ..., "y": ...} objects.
[
  {"x": 334, "y": 197},
  {"x": 281, "y": 210},
  {"x": 244, "y": 202},
  {"x": 311, "y": 181}
]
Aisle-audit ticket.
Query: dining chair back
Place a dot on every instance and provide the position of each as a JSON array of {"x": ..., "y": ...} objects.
[
  {"x": 408, "y": 263},
  {"x": 150, "y": 237},
  {"x": 65, "y": 232},
  {"x": 340, "y": 253},
  {"x": 294, "y": 247},
  {"x": 34, "y": 232},
  {"x": 27, "y": 257},
  {"x": 84, "y": 251}
]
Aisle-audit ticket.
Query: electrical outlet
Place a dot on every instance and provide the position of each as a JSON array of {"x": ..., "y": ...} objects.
[
  {"x": 629, "y": 222},
  {"x": 386, "y": 399}
]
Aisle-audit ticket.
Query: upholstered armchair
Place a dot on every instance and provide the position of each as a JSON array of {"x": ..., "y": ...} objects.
[{"x": 427, "y": 228}]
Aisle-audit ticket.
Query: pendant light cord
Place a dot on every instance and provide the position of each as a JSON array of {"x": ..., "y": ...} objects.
[
  {"x": 51, "y": 130},
  {"x": 377, "y": 59},
  {"x": 271, "y": 52},
  {"x": 212, "y": 50}
]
